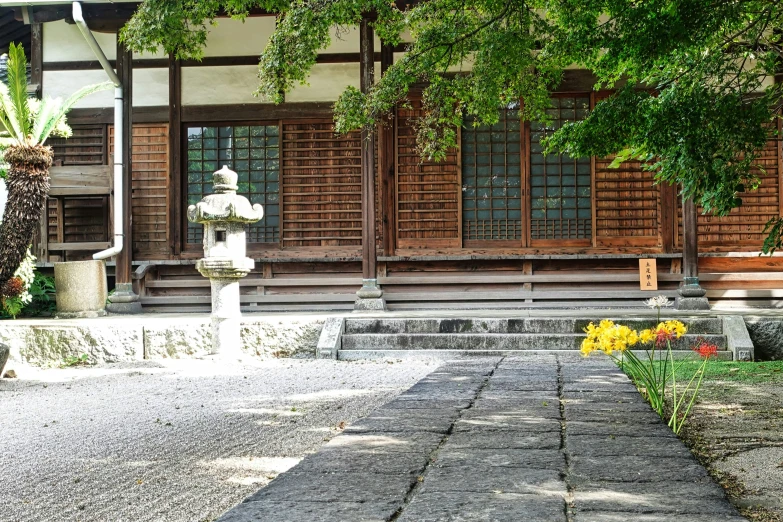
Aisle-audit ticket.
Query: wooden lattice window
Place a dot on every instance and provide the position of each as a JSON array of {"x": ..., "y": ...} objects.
[
  {"x": 253, "y": 152},
  {"x": 87, "y": 146},
  {"x": 322, "y": 197},
  {"x": 492, "y": 179},
  {"x": 560, "y": 186}
]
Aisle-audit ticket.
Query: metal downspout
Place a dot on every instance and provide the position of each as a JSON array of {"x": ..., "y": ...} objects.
[{"x": 119, "y": 233}]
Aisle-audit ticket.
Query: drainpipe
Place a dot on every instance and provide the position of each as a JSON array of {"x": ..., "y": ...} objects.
[{"x": 119, "y": 234}]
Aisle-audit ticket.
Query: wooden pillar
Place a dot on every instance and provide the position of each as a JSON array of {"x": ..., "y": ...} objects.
[
  {"x": 41, "y": 246},
  {"x": 386, "y": 165},
  {"x": 175, "y": 155},
  {"x": 668, "y": 216},
  {"x": 36, "y": 58},
  {"x": 692, "y": 294},
  {"x": 369, "y": 296},
  {"x": 124, "y": 299}
]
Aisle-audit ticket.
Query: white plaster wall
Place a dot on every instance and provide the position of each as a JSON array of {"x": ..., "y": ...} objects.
[
  {"x": 150, "y": 87},
  {"x": 236, "y": 38},
  {"x": 346, "y": 40},
  {"x": 327, "y": 81},
  {"x": 64, "y": 83},
  {"x": 219, "y": 85},
  {"x": 63, "y": 42}
]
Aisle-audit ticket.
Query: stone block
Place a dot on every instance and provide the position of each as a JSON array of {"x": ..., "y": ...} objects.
[
  {"x": 81, "y": 288},
  {"x": 391, "y": 421},
  {"x": 330, "y": 339},
  {"x": 609, "y": 516},
  {"x": 177, "y": 340},
  {"x": 737, "y": 338},
  {"x": 299, "y": 511},
  {"x": 336, "y": 487},
  {"x": 463, "y": 479},
  {"x": 5, "y": 353},
  {"x": 485, "y": 459},
  {"x": 672, "y": 497},
  {"x": 625, "y": 468},
  {"x": 344, "y": 460},
  {"x": 268, "y": 337},
  {"x": 767, "y": 337},
  {"x": 374, "y": 443},
  {"x": 492, "y": 506},
  {"x": 50, "y": 345},
  {"x": 610, "y": 446},
  {"x": 530, "y": 424}
]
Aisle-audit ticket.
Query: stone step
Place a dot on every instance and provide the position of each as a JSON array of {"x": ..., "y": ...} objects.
[
  {"x": 488, "y": 341},
  {"x": 360, "y": 355},
  {"x": 529, "y": 325}
]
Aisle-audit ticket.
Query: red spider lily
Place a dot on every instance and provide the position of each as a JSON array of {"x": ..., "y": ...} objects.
[
  {"x": 662, "y": 337},
  {"x": 705, "y": 349}
]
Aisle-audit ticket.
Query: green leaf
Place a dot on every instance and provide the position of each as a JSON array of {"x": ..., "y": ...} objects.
[
  {"x": 17, "y": 88},
  {"x": 53, "y": 112}
]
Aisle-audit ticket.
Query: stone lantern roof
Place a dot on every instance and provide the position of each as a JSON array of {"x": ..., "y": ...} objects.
[{"x": 225, "y": 205}]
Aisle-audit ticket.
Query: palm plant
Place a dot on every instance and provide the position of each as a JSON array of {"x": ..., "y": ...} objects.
[{"x": 28, "y": 123}]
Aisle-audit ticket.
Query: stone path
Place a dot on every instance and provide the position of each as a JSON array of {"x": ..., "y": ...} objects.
[{"x": 533, "y": 438}]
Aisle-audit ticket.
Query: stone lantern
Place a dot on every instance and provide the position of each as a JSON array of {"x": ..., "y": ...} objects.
[{"x": 224, "y": 215}]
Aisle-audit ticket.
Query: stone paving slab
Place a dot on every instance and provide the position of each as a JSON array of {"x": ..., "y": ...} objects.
[
  {"x": 494, "y": 507},
  {"x": 391, "y": 420},
  {"x": 275, "y": 511},
  {"x": 336, "y": 487},
  {"x": 547, "y": 441},
  {"x": 672, "y": 497}
]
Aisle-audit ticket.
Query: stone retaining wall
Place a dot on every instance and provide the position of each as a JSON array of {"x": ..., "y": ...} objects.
[{"x": 131, "y": 338}]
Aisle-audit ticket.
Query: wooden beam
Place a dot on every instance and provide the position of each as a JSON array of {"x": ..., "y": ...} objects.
[
  {"x": 386, "y": 165},
  {"x": 105, "y": 115},
  {"x": 208, "y": 61},
  {"x": 36, "y": 57},
  {"x": 366, "y": 72},
  {"x": 125, "y": 72},
  {"x": 256, "y": 111},
  {"x": 175, "y": 155}
]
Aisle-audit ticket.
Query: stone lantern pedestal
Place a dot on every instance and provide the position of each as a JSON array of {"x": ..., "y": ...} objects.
[{"x": 224, "y": 215}]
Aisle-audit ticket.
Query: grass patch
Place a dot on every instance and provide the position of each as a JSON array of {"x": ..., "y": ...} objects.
[{"x": 743, "y": 372}]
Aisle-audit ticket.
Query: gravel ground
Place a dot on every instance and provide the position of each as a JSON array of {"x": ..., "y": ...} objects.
[{"x": 180, "y": 441}]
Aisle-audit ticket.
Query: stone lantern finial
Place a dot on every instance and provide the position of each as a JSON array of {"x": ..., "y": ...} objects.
[{"x": 225, "y": 181}]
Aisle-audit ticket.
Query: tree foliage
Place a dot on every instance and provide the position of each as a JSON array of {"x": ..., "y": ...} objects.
[{"x": 692, "y": 80}]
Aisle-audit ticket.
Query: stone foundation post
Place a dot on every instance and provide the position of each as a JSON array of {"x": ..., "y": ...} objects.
[{"x": 226, "y": 338}]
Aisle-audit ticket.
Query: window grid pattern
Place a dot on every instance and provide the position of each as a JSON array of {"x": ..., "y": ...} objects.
[
  {"x": 492, "y": 179},
  {"x": 253, "y": 152},
  {"x": 560, "y": 186}
]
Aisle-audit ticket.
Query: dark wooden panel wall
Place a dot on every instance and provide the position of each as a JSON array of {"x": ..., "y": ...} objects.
[
  {"x": 321, "y": 199},
  {"x": 73, "y": 219},
  {"x": 150, "y": 182},
  {"x": 428, "y": 193},
  {"x": 743, "y": 228}
]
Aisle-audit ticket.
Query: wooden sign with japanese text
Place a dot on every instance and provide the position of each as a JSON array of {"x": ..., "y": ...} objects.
[{"x": 648, "y": 274}]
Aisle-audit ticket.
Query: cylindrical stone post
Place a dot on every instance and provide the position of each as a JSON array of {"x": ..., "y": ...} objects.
[{"x": 226, "y": 338}]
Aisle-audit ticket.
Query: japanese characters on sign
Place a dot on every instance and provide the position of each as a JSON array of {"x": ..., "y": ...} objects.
[{"x": 648, "y": 274}]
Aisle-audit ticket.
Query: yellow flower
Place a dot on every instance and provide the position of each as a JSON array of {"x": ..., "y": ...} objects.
[
  {"x": 606, "y": 324},
  {"x": 588, "y": 346},
  {"x": 592, "y": 331},
  {"x": 676, "y": 328},
  {"x": 646, "y": 336}
]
